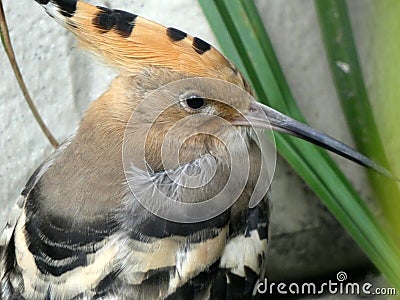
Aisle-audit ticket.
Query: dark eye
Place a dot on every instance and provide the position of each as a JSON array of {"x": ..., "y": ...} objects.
[{"x": 195, "y": 102}]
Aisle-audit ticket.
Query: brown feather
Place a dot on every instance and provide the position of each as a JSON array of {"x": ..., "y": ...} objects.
[{"x": 148, "y": 45}]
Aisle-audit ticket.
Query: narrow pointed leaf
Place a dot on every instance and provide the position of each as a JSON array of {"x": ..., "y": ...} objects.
[
  {"x": 254, "y": 54},
  {"x": 347, "y": 74}
]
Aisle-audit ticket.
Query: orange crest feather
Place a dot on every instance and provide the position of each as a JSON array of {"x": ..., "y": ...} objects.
[{"x": 131, "y": 43}]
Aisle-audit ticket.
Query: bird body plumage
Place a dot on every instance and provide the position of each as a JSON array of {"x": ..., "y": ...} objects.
[
  {"x": 162, "y": 193},
  {"x": 81, "y": 234}
]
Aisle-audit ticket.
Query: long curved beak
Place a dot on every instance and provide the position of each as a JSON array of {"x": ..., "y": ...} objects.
[{"x": 262, "y": 116}]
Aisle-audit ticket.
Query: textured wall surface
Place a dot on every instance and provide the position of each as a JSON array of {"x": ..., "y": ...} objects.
[{"x": 306, "y": 240}]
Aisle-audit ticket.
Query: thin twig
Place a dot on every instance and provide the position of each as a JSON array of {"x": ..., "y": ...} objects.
[{"x": 5, "y": 39}]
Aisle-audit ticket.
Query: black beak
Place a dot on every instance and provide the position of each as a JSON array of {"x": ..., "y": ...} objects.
[{"x": 262, "y": 116}]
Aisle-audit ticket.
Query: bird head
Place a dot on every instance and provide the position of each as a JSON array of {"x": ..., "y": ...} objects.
[{"x": 176, "y": 98}]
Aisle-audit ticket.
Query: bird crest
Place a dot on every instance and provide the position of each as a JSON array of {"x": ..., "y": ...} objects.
[{"x": 131, "y": 43}]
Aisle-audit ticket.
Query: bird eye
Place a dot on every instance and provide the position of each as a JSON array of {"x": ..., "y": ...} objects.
[{"x": 195, "y": 102}]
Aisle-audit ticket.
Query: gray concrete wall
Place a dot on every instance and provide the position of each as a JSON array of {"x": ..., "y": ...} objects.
[{"x": 306, "y": 240}]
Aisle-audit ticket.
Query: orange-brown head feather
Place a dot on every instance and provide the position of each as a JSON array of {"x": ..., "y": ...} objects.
[{"x": 131, "y": 43}]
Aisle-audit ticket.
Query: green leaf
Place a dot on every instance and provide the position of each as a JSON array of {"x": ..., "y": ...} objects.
[
  {"x": 242, "y": 36},
  {"x": 346, "y": 72}
]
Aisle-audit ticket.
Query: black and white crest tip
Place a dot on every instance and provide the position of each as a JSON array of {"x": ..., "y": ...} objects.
[{"x": 66, "y": 8}]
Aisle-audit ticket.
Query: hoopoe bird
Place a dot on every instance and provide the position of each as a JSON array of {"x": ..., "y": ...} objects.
[{"x": 122, "y": 209}]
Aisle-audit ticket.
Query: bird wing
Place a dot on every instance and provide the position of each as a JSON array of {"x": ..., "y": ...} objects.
[{"x": 19, "y": 204}]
